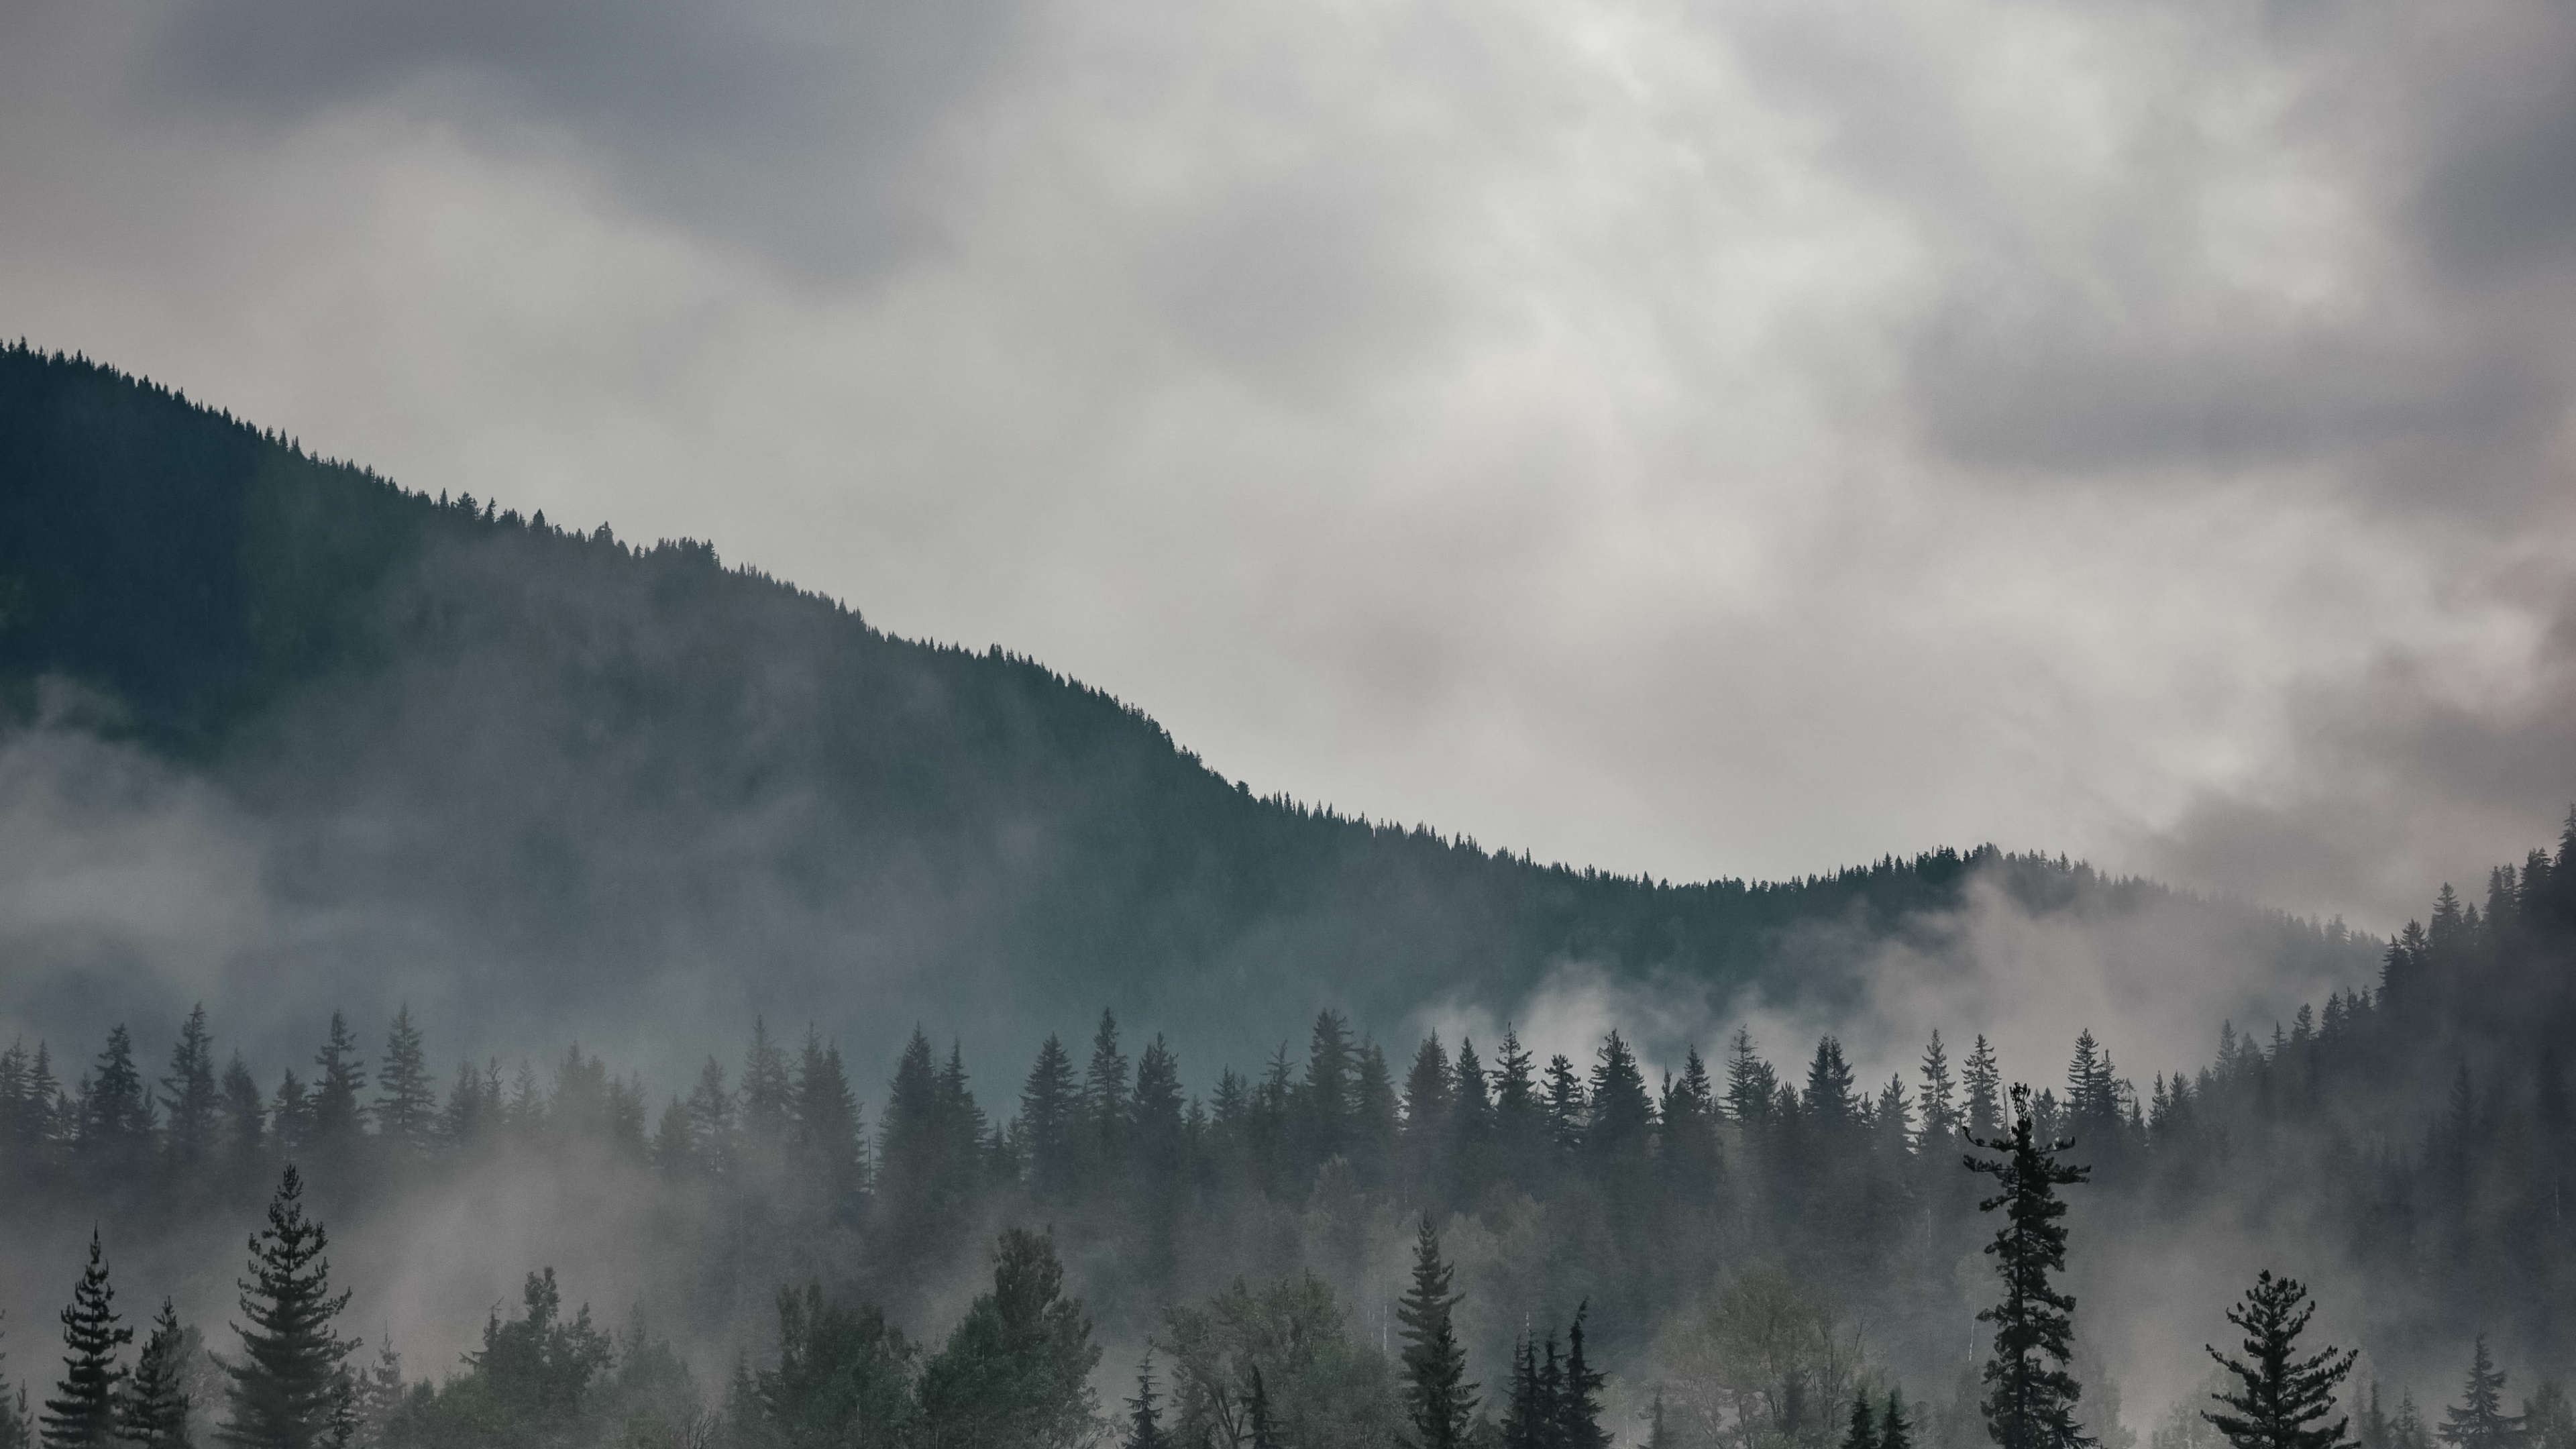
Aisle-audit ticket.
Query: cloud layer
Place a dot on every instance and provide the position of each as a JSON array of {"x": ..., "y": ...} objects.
[{"x": 1738, "y": 439}]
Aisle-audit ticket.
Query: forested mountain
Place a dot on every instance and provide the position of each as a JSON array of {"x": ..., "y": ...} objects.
[
  {"x": 1750, "y": 1244},
  {"x": 539, "y": 783}
]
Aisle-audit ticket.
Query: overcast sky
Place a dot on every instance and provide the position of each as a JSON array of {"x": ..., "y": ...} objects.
[{"x": 1696, "y": 437}]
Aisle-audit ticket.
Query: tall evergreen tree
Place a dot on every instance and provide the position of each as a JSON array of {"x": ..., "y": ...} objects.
[
  {"x": 188, "y": 1095},
  {"x": 824, "y": 1142},
  {"x": 1438, "y": 1399},
  {"x": 1050, "y": 1108},
  {"x": 1862, "y": 1430},
  {"x": 290, "y": 1387},
  {"x": 1144, "y": 1416},
  {"x": 82, "y": 1412},
  {"x": 337, "y": 1114},
  {"x": 117, "y": 1119},
  {"x": 768, "y": 1098},
  {"x": 1894, "y": 1430},
  {"x": 2479, "y": 1421},
  {"x": 1751, "y": 1084},
  {"x": 1578, "y": 1399},
  {"x": 243, "y": 1116},
  {"x": 406, "y": 1095},
  {"x": 154, "y": 1414},
  {"x": 2030, "y": 1397},
  {"x": 2280, "y": 1399},
  {"x": 1105, "y": 1099},
  {"x": 1940, "y": 1115},
  {"x": 1983, "y": 1083},
  {"x": 1015, "y": 1373}
]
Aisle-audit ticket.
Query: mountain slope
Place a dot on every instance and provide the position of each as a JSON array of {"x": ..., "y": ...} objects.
[{"x": 520, "y": 776}]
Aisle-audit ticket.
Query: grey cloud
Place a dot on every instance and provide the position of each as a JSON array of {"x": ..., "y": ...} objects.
[
  {"x": 799, "y": 129},
  {"x": 2398, "y": 781}
]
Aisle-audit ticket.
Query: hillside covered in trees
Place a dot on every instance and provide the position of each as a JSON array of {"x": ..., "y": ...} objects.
[
  {"x": 1749, "y": 1243},
  {"x": 540, "y": 783}
]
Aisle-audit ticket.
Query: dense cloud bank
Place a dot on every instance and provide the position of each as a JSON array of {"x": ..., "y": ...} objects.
[{"x": 1722, "y": 442}]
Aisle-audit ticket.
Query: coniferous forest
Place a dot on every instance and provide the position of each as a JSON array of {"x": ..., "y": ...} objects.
[
  {"x": 1454, "y": 1242},
  {"x": 1144, "y": 1151}
]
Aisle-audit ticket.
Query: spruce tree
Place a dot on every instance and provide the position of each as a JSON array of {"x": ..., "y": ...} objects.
[
  {"x": 82, "y": 1412},
  {"x": 118, "y": 1116},
  {"x": 1144, "y": 1418},
  {"x": 188, "y": 1094},
  {"x": 1983, "y": 1082},
  {"x": 1862, "y": 1432},
  {"x": 1438, "y": 1398},
  {"x": 1050, "y": 1102},
  {"x": 154, "y": 1414},
  {"x": 2030, "y": 1398},
  {"x": 2479, "y": 1421},
  {"x": 1529, "y": 1411},
  {"x": 290, "y": 1389},
  {"x": 1940, "y": 1118},
  {"x": 337, "y": 1114},
  {"x": 1578, "y": 1404},
  {"x": 1894, "y": 1430},
  {"x": 406, "y": 1095},
  {"x": 2280, "y": 1398}
]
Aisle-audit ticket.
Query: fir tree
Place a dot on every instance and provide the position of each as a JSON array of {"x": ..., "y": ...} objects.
[
  {"x": 1940, "y": 1118},
  {"x": 118, "y": 1115},
  {"x": 290, "y": 1388},
  {"x": 1529, "y": 1410},
  {"x": 1862, "y": 1432},
  {"x": 155, "y": 1412},
  {"x": 1578, "y": 1399},
  {"x": 2479, "y": 1421},
  {"x": 82, "y": 1412},
  {"x": 1015, "y": 1372},
  {"x": 1564, "y": 1105},
  {"x": 337, "y": 1114},
  {"x": 1144, "y": 1417},
  {"x": 1438, "y": 1399},
  {"x": 2030, "y": 1397},
  {"x": 1751, "y": 1085},
  {"x": 2280, "y": 1398},
  {"x": 243, "y": 1116},
  {"x": 188, "y": 1094},
  {"x": 1050, "y": 1104},
  {"x": 406, "y": 1097},
  {"x": 1894, "y": 1431},
  {"x": 1984, "y": 1086}
]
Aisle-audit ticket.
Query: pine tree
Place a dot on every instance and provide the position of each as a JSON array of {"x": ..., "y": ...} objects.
[
  {"x": 1863, "y": 1430},
  {"x": 243, "y": 1115},
  {"x": 1438, "y": 1399},
  {"x": 1529, "y": 1410},
  {"x": 766, "y": 1099},
  {"x": 2279, "y": 1397},
  {"x": 118, "y": 1119},
  {"x": 1015, "y": 1373},
  {"x": 711, "y": 1134},
  {"x": 154, "y": 1414},
  {"x": 824, "y": 1137},
  {"x": 1751, "y": 1085},
  {"x": 1564, "y": 1105},
  {"x": 1578, "y": 1403},
  {"x": 1104, "y": 1099},
  {"x": 337, "y": 1114},
  {"x": 406, "y": 1097},
  {"x": 1984, "y": 1086},
  {"x": 2479, "y": 1421},
  {"x": 290, "y": 1388},
  {"x": 1894, "y": 1431},
  {"x": 1144, "y": 1418},
  {"x": 17, "y": 1430},
  {"x": 188, "y": 1094},
  {"x": 1940, "y": 1118},
  {"x": 1050, "y": 1102},
  {"x": 2030, "y": 1397},
  {"x": 82, "y": 1412}
]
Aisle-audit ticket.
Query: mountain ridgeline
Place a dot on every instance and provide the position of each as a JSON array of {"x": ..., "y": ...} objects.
[{"x": 529, "y": 778}]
